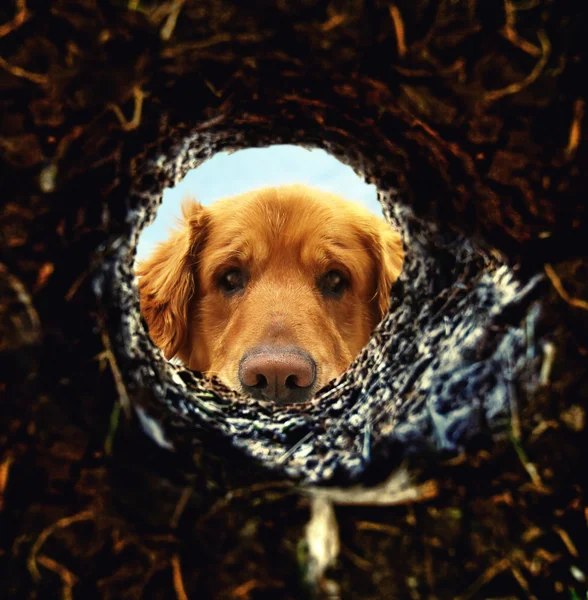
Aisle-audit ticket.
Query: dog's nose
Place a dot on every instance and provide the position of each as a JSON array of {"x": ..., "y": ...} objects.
[{"x": 284, "y": 375}]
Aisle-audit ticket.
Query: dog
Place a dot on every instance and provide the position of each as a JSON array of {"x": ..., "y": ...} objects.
[{"x": 274, "y": 291}]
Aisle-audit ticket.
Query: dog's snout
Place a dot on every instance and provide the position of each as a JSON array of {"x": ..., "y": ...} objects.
[{"x": 284, "y": 375}]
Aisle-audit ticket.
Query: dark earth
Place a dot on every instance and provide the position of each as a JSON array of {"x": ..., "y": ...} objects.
[{"x": 450, "y": 460}]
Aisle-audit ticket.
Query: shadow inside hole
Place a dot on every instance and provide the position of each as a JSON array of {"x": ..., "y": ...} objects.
[{"x": 276, "y": 290}]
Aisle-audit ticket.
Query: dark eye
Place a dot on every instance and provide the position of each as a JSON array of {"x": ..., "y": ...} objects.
[
  {"x": 333, "y": 283},
  {"x": 231, "y": 281}
]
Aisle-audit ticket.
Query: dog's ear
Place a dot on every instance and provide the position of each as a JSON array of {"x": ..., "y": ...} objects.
[
  {"x": 389, "y": 259},
  {"x": 168, "y": 280}
]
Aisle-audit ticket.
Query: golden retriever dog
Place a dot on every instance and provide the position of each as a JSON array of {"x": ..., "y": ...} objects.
[{"x": 274, "y": 291}]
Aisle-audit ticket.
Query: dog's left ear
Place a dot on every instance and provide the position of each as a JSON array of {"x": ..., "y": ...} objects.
[
  {"x": 389, "y": 258},
  {"x": 168, "y": 281}
]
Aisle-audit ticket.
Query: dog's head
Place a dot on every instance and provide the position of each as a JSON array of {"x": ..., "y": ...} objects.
[{"x": 274, "y": 291}]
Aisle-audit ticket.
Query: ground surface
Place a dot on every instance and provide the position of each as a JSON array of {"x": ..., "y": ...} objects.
[{"x": 450, "y": 460}]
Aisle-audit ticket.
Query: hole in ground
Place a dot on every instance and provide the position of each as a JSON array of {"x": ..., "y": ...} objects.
[{"x": 455, "y": 309}]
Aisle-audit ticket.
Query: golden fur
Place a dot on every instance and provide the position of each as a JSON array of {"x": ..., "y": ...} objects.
[{"x": 281, "y": 242}]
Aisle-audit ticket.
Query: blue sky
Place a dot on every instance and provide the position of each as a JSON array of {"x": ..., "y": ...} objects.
[{"x": 231, "y": 174}]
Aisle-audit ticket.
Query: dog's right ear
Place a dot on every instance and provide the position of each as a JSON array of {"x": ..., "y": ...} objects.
[
  {"x": 390, "y": 257},
  {"x": 168, "y": 281}
]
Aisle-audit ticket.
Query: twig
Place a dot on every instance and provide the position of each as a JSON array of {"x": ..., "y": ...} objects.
[
  {"x": 177, "y": 575},
  {"x": 529, "y": 466},
  {"x": 118, "y": 379},
  {"x": 397, "y": 489},
  {"x": 22, "y": 15},
  {"x": 516, "y": 87},
  {"x": 548, "y": 362},
  {"x": 180, "y": 506},
  {"x": 333, "y": 22},
  {"x": 139, "y": 96},
  {"x": 322, "y": 538},
  {"x": 515, "y": 418},
  {"x": 522, "y": 581},
  {"x": 541, "y": 429},
  {"x": 112, "y": 427},
  {"x": 487, "y": 576},
  {"x": 45, "y": 273},
  {"x": 367, "y": 442},
  {"x": 293, "y": 449},
  {"x": 557, "y": 284},
  {"x": 565, "y": 538},
  {"x": 509, "y": 31},
  {"x": 358, "y": 561},
  {"x": 172, "y": 19},
  {"x": 244, "y": 589},
  {"x": 244, "y": 493},
  {"x": 75, "y": 286},
  {"x": 46, "y": 533},
  {"x": 68, "y": 579},
  {"x": 23, "y": 73},
  {"x": 387, "y": 529},
  {"x": 219, "y": 38},
  {"x": 4, "y": 471},
  {"x": 575, "y": 129},
  {"x": 210, "y": 122},
  {"x": 399, "y": 28}
]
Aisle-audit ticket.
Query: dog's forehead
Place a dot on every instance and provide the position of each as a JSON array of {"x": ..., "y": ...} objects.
[
  {"x": 289, "y": 217},
  {"x": 292, "y": 225}
]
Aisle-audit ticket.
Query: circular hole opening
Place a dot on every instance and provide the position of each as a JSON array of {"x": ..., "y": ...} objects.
[
  {"x": 448, "y": 313},
  {"x": 268, "y": 265}
]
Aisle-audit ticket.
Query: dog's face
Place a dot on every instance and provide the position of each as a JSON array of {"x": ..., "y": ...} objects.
[{"x": 275, "y": 291}]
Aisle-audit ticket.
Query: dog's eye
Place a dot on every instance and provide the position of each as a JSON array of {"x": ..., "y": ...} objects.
[
  {"x": 333, "y": 283},
  {"x": 232, "y": 281}
]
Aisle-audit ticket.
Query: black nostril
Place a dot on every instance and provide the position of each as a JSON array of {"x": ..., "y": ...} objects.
[
  {"x": 261, "y": 382},
  {"x": 292, "y": 382}
]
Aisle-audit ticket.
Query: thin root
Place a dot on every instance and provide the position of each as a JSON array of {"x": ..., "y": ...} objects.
[
  {"x": 85, "y": 515},
  {"x": 387, "y": 529},
  {"x": 243, "y": 590},
  {"x": 575, "y": 129},
  {"x": 516, "y": 87},
  {"x": 4, "y": 471},
  {"x": 333, "y": 22},
  {"x": 541, "y": 429},
  {"x": 178, "y": 580},
  {"x": 295, "y": 447},
  {"x": 112, "y": 427},
  {"x": 565, "y": 538},
  {"x": 23, "y": 73},
  {"x": 108, "y": 355},
  {"x": 399, "y": 28},
  {"x": 510, "y": 33},
  {"x": 170, "y": 24},
  {"x": 517, "y": 574},
  {"x": 358, "y": 561},
  {"x": 529, "y": 467},
  {"x": 487, "y": 576},
  {"x": 68, "y": 579},
  {"x": 75, "y": 286},
  {"x": 180, "y": 506},
  {"x": 139, "y": 96},
  {"x": 22, "y": 15},
  {"x": 548, "y": 362},
  {"x": 557, "y": 284}
]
